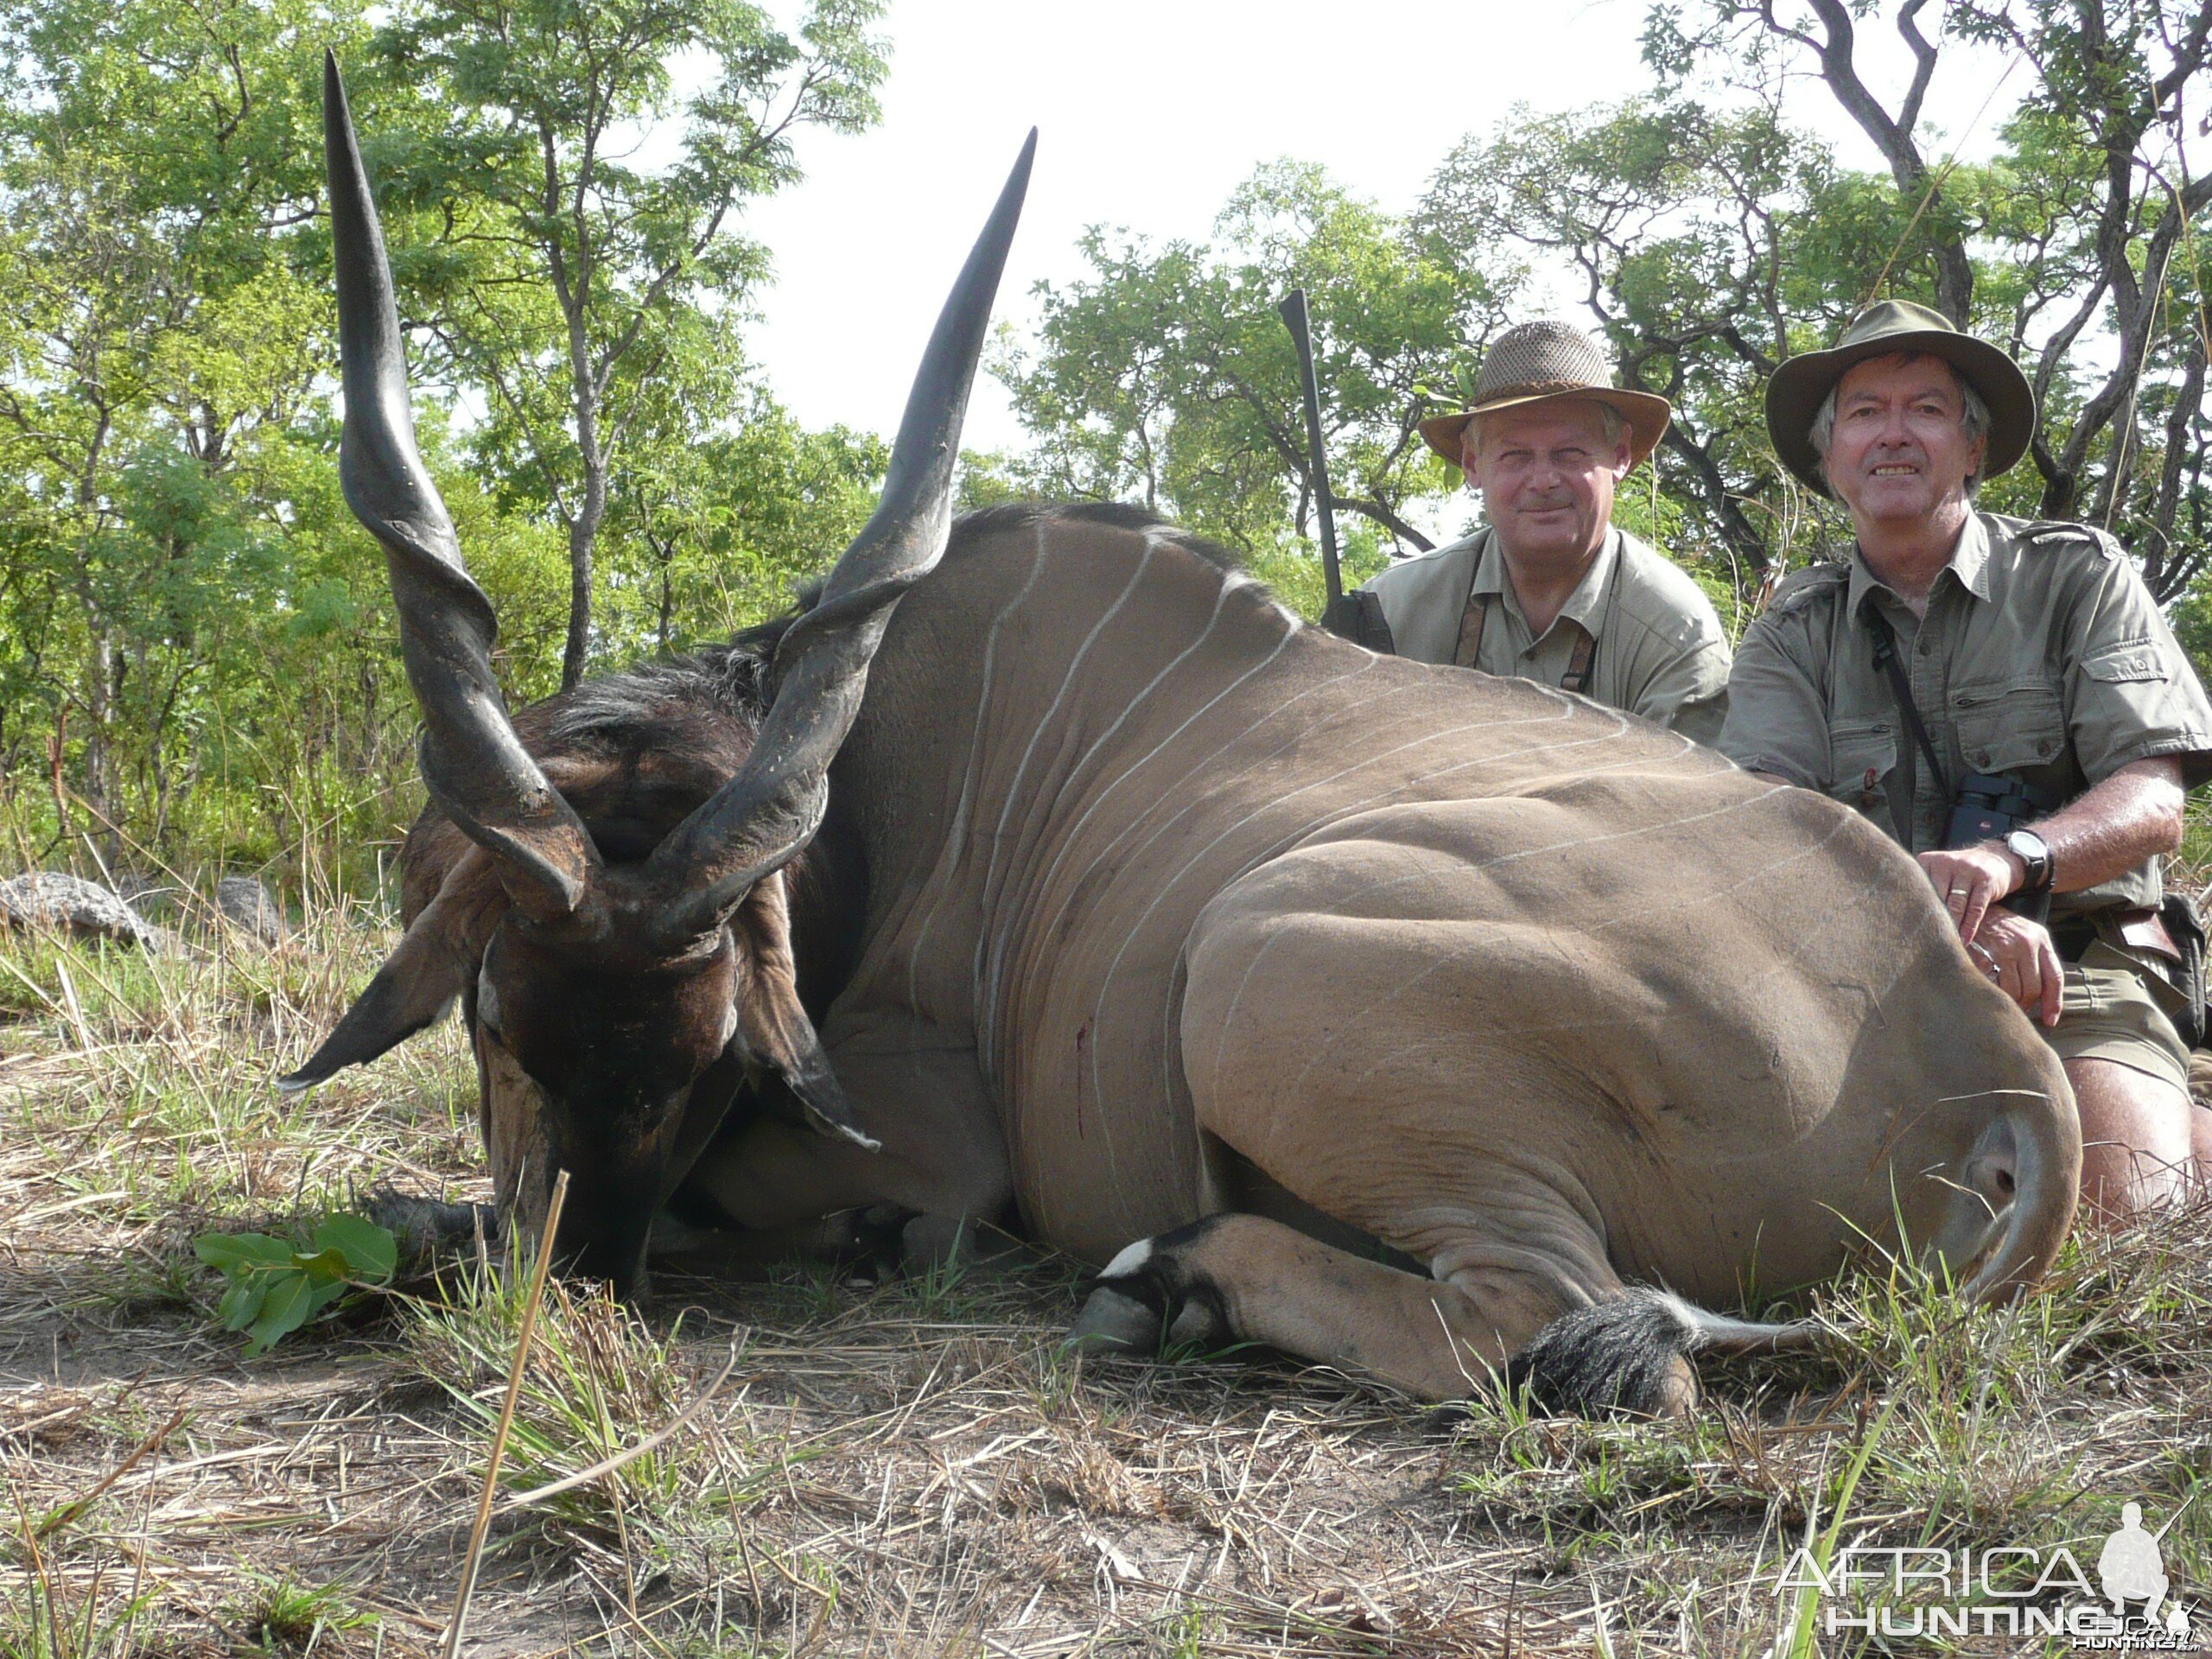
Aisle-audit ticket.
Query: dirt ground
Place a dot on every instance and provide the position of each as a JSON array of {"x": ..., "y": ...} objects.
[{"x": 913, "y": 1466}]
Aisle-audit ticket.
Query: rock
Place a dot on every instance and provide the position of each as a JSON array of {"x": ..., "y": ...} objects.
[
  {"x": 247, "y": 906},
  {"x": 156, "y": 898},
  {"x": 47, "y": 901}
]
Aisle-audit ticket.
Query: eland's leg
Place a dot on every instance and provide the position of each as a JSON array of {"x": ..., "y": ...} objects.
[
  {"x": 1431, "y": 1084},
  {"x": 1495, "y": 1319},
  {"x": 1237, "y": 1278}
]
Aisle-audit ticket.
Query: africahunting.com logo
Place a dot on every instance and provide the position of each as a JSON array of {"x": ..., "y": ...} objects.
[{"x": 2134, "y": 1605}]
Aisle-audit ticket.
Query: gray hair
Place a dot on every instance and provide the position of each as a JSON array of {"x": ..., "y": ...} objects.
[
  {"x": 1974, "y": 413},
  {"x": 1614, "y": 423}
]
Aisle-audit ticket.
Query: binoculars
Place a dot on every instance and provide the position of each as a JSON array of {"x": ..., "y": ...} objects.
[{"x": 1988, "y": 807}]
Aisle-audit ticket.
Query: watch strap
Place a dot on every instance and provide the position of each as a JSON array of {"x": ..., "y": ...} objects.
[{"x": 2032, "y": 850}]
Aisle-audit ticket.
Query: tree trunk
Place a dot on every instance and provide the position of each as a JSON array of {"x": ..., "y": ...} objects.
[
  {"x": 583, "y": 536},
  {"x": 100, "y": 751},
  {"x": 667, "y": 618}
]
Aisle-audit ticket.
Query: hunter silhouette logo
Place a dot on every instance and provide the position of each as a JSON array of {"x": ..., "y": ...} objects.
[
  {"x": 2008, "y": 1590},
  {"x": 2132, "y": 1568}
]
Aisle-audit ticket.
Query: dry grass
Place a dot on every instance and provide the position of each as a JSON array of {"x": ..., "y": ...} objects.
[{"x": 907, "y": 1468}]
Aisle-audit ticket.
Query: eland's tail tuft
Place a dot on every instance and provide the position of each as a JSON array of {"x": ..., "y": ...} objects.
[{"x": 1629, "y": 1355}]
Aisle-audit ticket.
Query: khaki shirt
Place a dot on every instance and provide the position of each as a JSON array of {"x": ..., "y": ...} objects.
[
  {"x": 2042, "y": 656},
  {"x": 1659, "y": 650}
]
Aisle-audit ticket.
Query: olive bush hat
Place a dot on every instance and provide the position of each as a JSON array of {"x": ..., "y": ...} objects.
[
  {"x": 1796, "y": 390},
  {"x": 1541, "y": 362}
]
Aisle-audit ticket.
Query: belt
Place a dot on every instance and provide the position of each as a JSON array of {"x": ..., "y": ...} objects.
[{"x": 2141, "y": 929}]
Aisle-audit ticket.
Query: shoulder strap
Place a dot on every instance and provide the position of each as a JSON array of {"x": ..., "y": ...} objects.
[
  {"x": 1577, "y": 677},
  {"x": 1475, "y": 617},
  {"x": 1885, "y": 658},
  {"x": 1471, "y": 623}
]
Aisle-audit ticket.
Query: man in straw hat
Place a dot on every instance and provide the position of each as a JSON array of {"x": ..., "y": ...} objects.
[
  {"x": 1549, "y": 590},
  {"x": 2020, "y": 671}
]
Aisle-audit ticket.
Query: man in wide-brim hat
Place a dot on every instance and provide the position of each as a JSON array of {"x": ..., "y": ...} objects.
[
  {"x": 2004, "y": 700},
  {"x": 1549, "y": 590}
]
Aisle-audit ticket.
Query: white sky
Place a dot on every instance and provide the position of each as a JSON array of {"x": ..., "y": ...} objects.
[{"x": 1151, "y": 112}]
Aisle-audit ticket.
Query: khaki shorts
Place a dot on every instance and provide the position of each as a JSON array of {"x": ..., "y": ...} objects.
[{"x": 2116, "y": 1011}]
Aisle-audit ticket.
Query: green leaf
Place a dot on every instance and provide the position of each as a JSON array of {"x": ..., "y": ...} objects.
[
  {"x": 275, "y": 1289},
  {"x": 370, "y": 1252},
  {"x": 324, "y": 1267},
  {"x": 290, "y": 1300},
  {"x": 241, "y": 1252},
  {"x": 241, "y": 1303}
]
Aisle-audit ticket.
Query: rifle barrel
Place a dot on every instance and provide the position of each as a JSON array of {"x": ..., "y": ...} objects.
[
  {"x": 1293, "y": 310},
  {"x": 2175, "y": 1516}
]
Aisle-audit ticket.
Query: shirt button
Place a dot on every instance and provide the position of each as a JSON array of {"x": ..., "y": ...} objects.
[
  {"x": 2048, "y": 746},
  {"x": 1979, "y": 757},
  {"x": 1925, "y": 646}
]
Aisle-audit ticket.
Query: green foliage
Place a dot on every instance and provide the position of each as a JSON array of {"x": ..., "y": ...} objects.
[
  {"x": 279, "y": 1616},
  {"x": 159, "y": 328},
  {"x": 1166, "y": 377},
  {"x": 195, "y": 638},
  {"x": 589, "y": 296},
  {"x": 1713, "y": 237},
  {"x": 275, "y": 1288},
  {"x": 713, "y": 531}
]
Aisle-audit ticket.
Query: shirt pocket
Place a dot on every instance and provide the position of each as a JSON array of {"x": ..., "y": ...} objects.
[
  {"x": 1861, "y": 755},
  {"x": 2016, "y": 726},
  {"x": 2130, "y": 662}
]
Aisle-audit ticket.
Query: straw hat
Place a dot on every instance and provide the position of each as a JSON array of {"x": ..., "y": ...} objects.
[
  {"x": 1797, "y": 389},
  {"x": 1542, "y": 363}
]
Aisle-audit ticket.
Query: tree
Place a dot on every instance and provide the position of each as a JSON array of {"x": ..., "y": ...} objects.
[
  {"x": 1687, "y": 232},
  {"x": 158, "y": 323},
  {"x": 2070, "y": 245},
  {"x": 716, "y": 530},
  {"x": 575, "y": 211},
  {"x": 1167, "y": 377}
]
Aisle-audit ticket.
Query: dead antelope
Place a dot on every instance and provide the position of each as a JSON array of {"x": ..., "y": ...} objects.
[{"x": 1397, "y": 1017}]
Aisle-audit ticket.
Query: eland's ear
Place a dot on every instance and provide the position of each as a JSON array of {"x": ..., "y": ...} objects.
[
  {"x": 772, "y": 1026},
  {"x": 418, "y": 982}
]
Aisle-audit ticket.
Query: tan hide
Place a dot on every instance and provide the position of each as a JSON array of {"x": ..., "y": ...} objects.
[{"x": 1543, "y": 996}]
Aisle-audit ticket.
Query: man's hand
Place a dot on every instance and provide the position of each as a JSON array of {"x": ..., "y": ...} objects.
[
  {"x": 1971, "y": 880},
  {"x": 2018, "y": 955}
]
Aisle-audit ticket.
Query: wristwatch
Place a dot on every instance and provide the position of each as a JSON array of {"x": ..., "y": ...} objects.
[{"x": 2032, "y": 850}]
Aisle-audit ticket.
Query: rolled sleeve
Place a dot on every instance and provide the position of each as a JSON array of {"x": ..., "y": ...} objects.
[
  {"x": 1776, "y": 722},
  {"x": 2131, "y": 693}
]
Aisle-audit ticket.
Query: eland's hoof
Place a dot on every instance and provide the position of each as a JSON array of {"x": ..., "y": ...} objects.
[
  {"x": 930, "y": 1241},
  {"x": 426, "y": 1230},
  {"x": 1114, "y": 1323}
]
